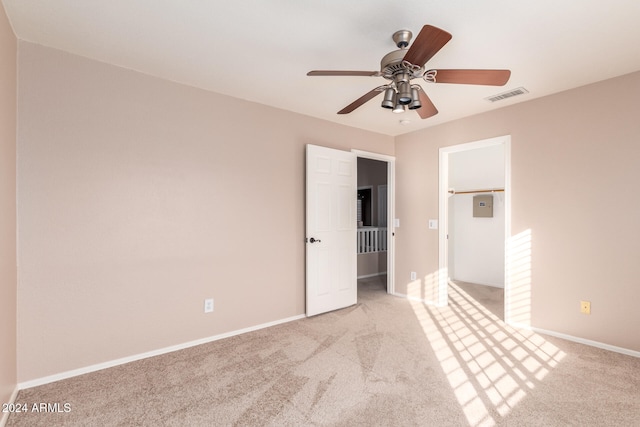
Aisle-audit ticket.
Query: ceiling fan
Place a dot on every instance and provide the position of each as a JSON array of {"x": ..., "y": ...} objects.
[{"x": 402, "y": 66}]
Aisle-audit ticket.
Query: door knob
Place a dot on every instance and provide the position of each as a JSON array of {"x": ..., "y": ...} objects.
[{"x": 312, "y": 240}]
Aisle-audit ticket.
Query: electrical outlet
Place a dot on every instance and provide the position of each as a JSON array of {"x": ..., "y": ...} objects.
[
  {"x": 414, "y": 275},
  {"x": 208, "y": 305},
  {"x": 585, "y": 307}
]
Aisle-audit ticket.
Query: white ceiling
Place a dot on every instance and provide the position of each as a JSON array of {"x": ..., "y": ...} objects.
[{"x": 261, "y": 50}]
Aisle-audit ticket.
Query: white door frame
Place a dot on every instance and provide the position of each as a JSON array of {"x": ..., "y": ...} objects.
[
  {"x": 391, "y": 189},
  {"x": 443, "y": 197}
]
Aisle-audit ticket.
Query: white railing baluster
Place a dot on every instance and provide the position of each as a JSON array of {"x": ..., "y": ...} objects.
[
  {"x": 371, "y": 239},
  {"x": 367, "y": 240},
  {"x": 376, "y": 248}
]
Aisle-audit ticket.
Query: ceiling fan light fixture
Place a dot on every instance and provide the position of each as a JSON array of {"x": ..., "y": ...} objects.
[
  {"x": 407, "y": 63},
  {"x": 389, "y": 100},
  {"x": 404, "y": 93},
  {"x": 399, "y": 108},
  {"x": 415, "y": 96}
]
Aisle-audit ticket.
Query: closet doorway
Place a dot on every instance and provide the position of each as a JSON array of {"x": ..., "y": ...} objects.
[{"x": 475, "y": 221}]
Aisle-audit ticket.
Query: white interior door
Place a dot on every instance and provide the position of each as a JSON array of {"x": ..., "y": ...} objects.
[{"x": 331, "y": 229}]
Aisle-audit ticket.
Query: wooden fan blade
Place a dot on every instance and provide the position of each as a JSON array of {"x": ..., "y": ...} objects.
[
  {"x": 474, "y": 77},
  {"x": 358, "y": 102},
  {"x": 428, "y": 43},
  {"x": 342, "y": 73},
  {"x": 427, "y": 109}
]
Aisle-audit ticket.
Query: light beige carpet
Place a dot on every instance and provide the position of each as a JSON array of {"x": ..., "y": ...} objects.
[{"x": 386, "y": 361}]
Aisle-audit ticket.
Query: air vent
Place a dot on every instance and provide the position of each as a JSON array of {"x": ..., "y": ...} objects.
[{"x": 505, "y": 95}]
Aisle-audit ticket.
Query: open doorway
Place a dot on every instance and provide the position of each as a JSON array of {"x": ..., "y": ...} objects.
[
  {"x": 475, "y": 221},
  {"x": 331, "y": 227},
  {"x": 375, "y": 232}
]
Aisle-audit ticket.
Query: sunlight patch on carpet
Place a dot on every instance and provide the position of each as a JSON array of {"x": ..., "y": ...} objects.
[{"x": 489, "y": 365}]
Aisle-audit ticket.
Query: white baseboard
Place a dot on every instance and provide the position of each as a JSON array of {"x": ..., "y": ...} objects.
[
  {"x": 366, "y": 276},
  {"x": 410, "y": 298},
  {"x": 493, "y": 285},
  {"x": 579, "y": 340},
  {"x": 5, "y": 416},
  {"x": 584, "y": 341},
  {"x": 122, "y": 361}
]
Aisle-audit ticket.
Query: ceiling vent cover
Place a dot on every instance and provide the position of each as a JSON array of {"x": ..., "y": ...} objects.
[{"x": 505, "y": 95}]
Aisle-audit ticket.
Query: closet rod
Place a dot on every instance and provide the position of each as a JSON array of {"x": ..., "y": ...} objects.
[{"x": 492, "y": 190}]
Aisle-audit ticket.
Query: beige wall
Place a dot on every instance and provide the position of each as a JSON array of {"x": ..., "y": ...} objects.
[
  {"x": 372, "y": 264},
  {"x": 137, "y": 200},
  {"x": 8, "y": 71},
  {"x": 575, "y": 170}
]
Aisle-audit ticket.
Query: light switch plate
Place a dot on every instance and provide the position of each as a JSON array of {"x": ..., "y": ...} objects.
[
  {"x": 208, "y": 305},
  {"x": 433, "y": 224}
]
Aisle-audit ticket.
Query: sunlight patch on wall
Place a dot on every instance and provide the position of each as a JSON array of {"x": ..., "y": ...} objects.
[
  {"x": 518, "y": 293},
  {"x": 428, "y": 289},
  {"x": 489, "y": 365}
]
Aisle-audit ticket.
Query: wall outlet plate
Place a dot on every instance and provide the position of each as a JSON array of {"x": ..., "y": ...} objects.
[
  {"x": 414, "y": 275},
  {"x": 585, "y": 307}
]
